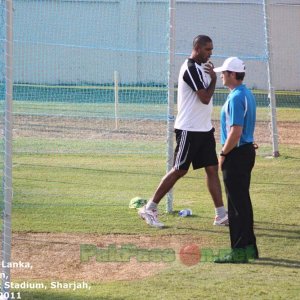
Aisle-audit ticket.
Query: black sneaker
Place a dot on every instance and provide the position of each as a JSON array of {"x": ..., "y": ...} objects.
[
  {"x": 236, "y": 256},
  {"x": 252, "y": 252}
]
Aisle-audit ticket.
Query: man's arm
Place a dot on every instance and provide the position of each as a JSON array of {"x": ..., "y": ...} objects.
[
  {"x": 205, "y": 95},
  {"x": 232, "y": 140}
]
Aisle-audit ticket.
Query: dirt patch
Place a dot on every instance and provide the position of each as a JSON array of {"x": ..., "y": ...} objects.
[
  {"x": 289, "y": 133},
  {"x": 57, "y": 256},
  {"x": 130, "y": 129}
]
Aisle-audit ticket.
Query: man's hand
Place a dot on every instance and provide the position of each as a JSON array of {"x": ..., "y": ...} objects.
[
  {"x": 209, "y": 69},
  {"x": 221, "y": 161},
  {"x": 205, "y": 95}
]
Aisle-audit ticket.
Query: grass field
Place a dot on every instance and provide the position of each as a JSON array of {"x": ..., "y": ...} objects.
[
  {"x": 63, "y": 199},
  {"x": 150, "y": 111}
]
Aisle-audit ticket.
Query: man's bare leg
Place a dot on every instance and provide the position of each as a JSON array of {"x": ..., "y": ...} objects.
[
  {"x": 149, "y": 211},
  {"x": 167, "y": 182},
  {"x": 214, "y": 187}
]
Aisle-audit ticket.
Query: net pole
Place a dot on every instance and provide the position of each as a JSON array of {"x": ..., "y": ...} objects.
[
  {"x": 7, "y": 176},
  {"x": 116, "y": 89},
  {"x": 271, "y": 95},
  {"x": 171, "y": 117}
]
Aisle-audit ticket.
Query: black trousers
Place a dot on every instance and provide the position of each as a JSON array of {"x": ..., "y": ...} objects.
[{"x": 236, "y": 171}]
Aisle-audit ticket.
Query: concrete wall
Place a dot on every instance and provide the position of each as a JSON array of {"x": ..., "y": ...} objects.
[{"x": 285, "y": 42}]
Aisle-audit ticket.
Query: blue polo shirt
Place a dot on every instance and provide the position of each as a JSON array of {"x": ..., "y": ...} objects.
[{"x": 239, "y": 109}]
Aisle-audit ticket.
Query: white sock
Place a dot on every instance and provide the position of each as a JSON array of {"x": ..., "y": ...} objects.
[
  {"x": 151, "y": 205},
  {"x": 220, "y": 211}
]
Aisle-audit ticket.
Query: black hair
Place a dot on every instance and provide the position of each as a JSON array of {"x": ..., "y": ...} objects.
[{"x": 201, "y": 40}]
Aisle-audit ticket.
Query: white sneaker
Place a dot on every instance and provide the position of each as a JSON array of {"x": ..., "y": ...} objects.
[
  {"x": 150, "y": 216},
  {"x": 221, "y": 221}
]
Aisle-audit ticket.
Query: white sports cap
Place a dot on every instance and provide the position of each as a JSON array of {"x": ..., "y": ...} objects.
[{"x": 232, "y": 64}]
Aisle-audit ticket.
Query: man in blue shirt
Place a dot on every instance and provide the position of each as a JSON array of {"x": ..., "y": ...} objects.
[{"x": 237, "y": 159}]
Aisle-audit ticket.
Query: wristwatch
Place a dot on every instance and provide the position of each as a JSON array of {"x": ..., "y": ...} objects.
[{"x": 222, "y": 154}]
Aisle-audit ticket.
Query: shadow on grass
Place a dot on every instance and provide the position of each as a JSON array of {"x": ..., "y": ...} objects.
[
  {"x": 96, "y": 170},
  {"x": 289, "y": 157},
  {"x": 274, "y": 223},
  {"x": 286, "y": 263},
  {"x": 277, "y": 236},
  {"x": 175, "y": 214},
  {"x": 296, "y": 231},
  {"x": 280, "y": 233}
]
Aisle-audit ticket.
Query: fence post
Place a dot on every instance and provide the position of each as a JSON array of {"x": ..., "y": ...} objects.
[
  {"x": 7, "y": 176},
  {"x": 171, "y": 117},
  {"x": 271, "y": 94}
]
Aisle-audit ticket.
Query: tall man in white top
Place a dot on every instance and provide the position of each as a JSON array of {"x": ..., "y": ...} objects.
[{"x": 194, "y": 132}]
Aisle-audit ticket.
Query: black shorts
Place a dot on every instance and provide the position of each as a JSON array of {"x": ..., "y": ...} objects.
[{"x": 198, "y": 148}]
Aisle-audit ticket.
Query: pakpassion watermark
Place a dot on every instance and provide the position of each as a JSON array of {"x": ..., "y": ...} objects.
[
  {"x": 189, "y": 255},
  {"x": 112, "y": 253}
]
